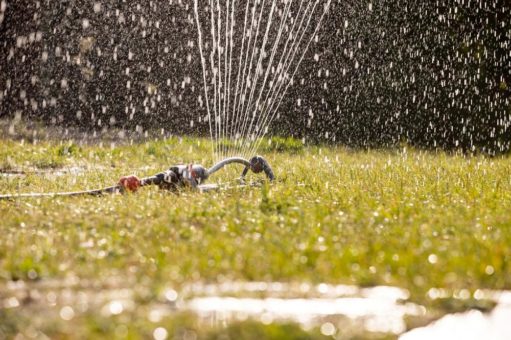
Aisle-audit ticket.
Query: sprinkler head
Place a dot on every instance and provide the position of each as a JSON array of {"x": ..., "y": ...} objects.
[{"x": 259, "y": 164}]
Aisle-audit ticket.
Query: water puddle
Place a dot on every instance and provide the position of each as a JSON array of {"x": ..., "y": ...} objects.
[
  {"x": 382, "y": 315},
  {"x": 378, "y": 309},
  {"x": 472, "y": 324},
  {"x": 55, "y": 296},
  {"x": 330, "y": 308}
]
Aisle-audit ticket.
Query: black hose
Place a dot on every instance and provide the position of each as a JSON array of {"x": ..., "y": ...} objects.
[
  {"x": 226, "y": 161},
  {"x": 95, "y": 192},
  {"x": 257, "y": 164}
]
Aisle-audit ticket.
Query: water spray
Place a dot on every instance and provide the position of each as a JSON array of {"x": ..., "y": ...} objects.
[{"x": 176, "y": 177}]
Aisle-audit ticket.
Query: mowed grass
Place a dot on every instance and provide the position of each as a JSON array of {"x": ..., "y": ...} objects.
[{"x": 407, "y": 218}]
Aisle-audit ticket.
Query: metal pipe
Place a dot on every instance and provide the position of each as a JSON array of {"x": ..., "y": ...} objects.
[{"x": 226, "y": 161}]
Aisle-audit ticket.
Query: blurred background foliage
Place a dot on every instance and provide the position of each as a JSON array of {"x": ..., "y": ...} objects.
[{"x": 382, "y": 72}]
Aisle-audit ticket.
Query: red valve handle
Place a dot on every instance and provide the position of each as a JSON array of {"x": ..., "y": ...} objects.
[{"x": 130, "y": 183}]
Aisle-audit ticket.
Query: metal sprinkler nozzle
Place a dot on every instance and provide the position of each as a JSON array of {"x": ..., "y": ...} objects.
[{"x": 258, "y": 164}]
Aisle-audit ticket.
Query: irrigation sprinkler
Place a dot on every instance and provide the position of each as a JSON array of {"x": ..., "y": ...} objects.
[{"x": 176, "y": 177}]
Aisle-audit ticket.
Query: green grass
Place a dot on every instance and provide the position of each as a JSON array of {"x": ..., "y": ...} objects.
[{"x": 405, "y": 218}]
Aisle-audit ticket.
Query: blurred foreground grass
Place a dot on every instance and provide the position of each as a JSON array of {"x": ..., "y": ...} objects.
[{"x": 406, "y": 218}]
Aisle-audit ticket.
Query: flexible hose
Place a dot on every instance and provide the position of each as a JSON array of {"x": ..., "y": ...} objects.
[
  {"x": 226, "y": 161},
  {"x": 256, "y": 164},
  {"x": 95, "y": 192}
]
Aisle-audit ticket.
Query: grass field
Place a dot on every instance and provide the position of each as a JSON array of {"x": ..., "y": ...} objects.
[{"x": 406, "y": 218}]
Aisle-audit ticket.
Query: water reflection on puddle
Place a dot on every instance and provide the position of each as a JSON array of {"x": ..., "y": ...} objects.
[
  {"x": 379, "y": 309},
  {"x": 350, "y": 309},
  {"x": 472, "y": 324}
]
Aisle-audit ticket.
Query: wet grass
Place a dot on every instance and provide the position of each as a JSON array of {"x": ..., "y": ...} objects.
[{"x": 412, "y": 219}]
